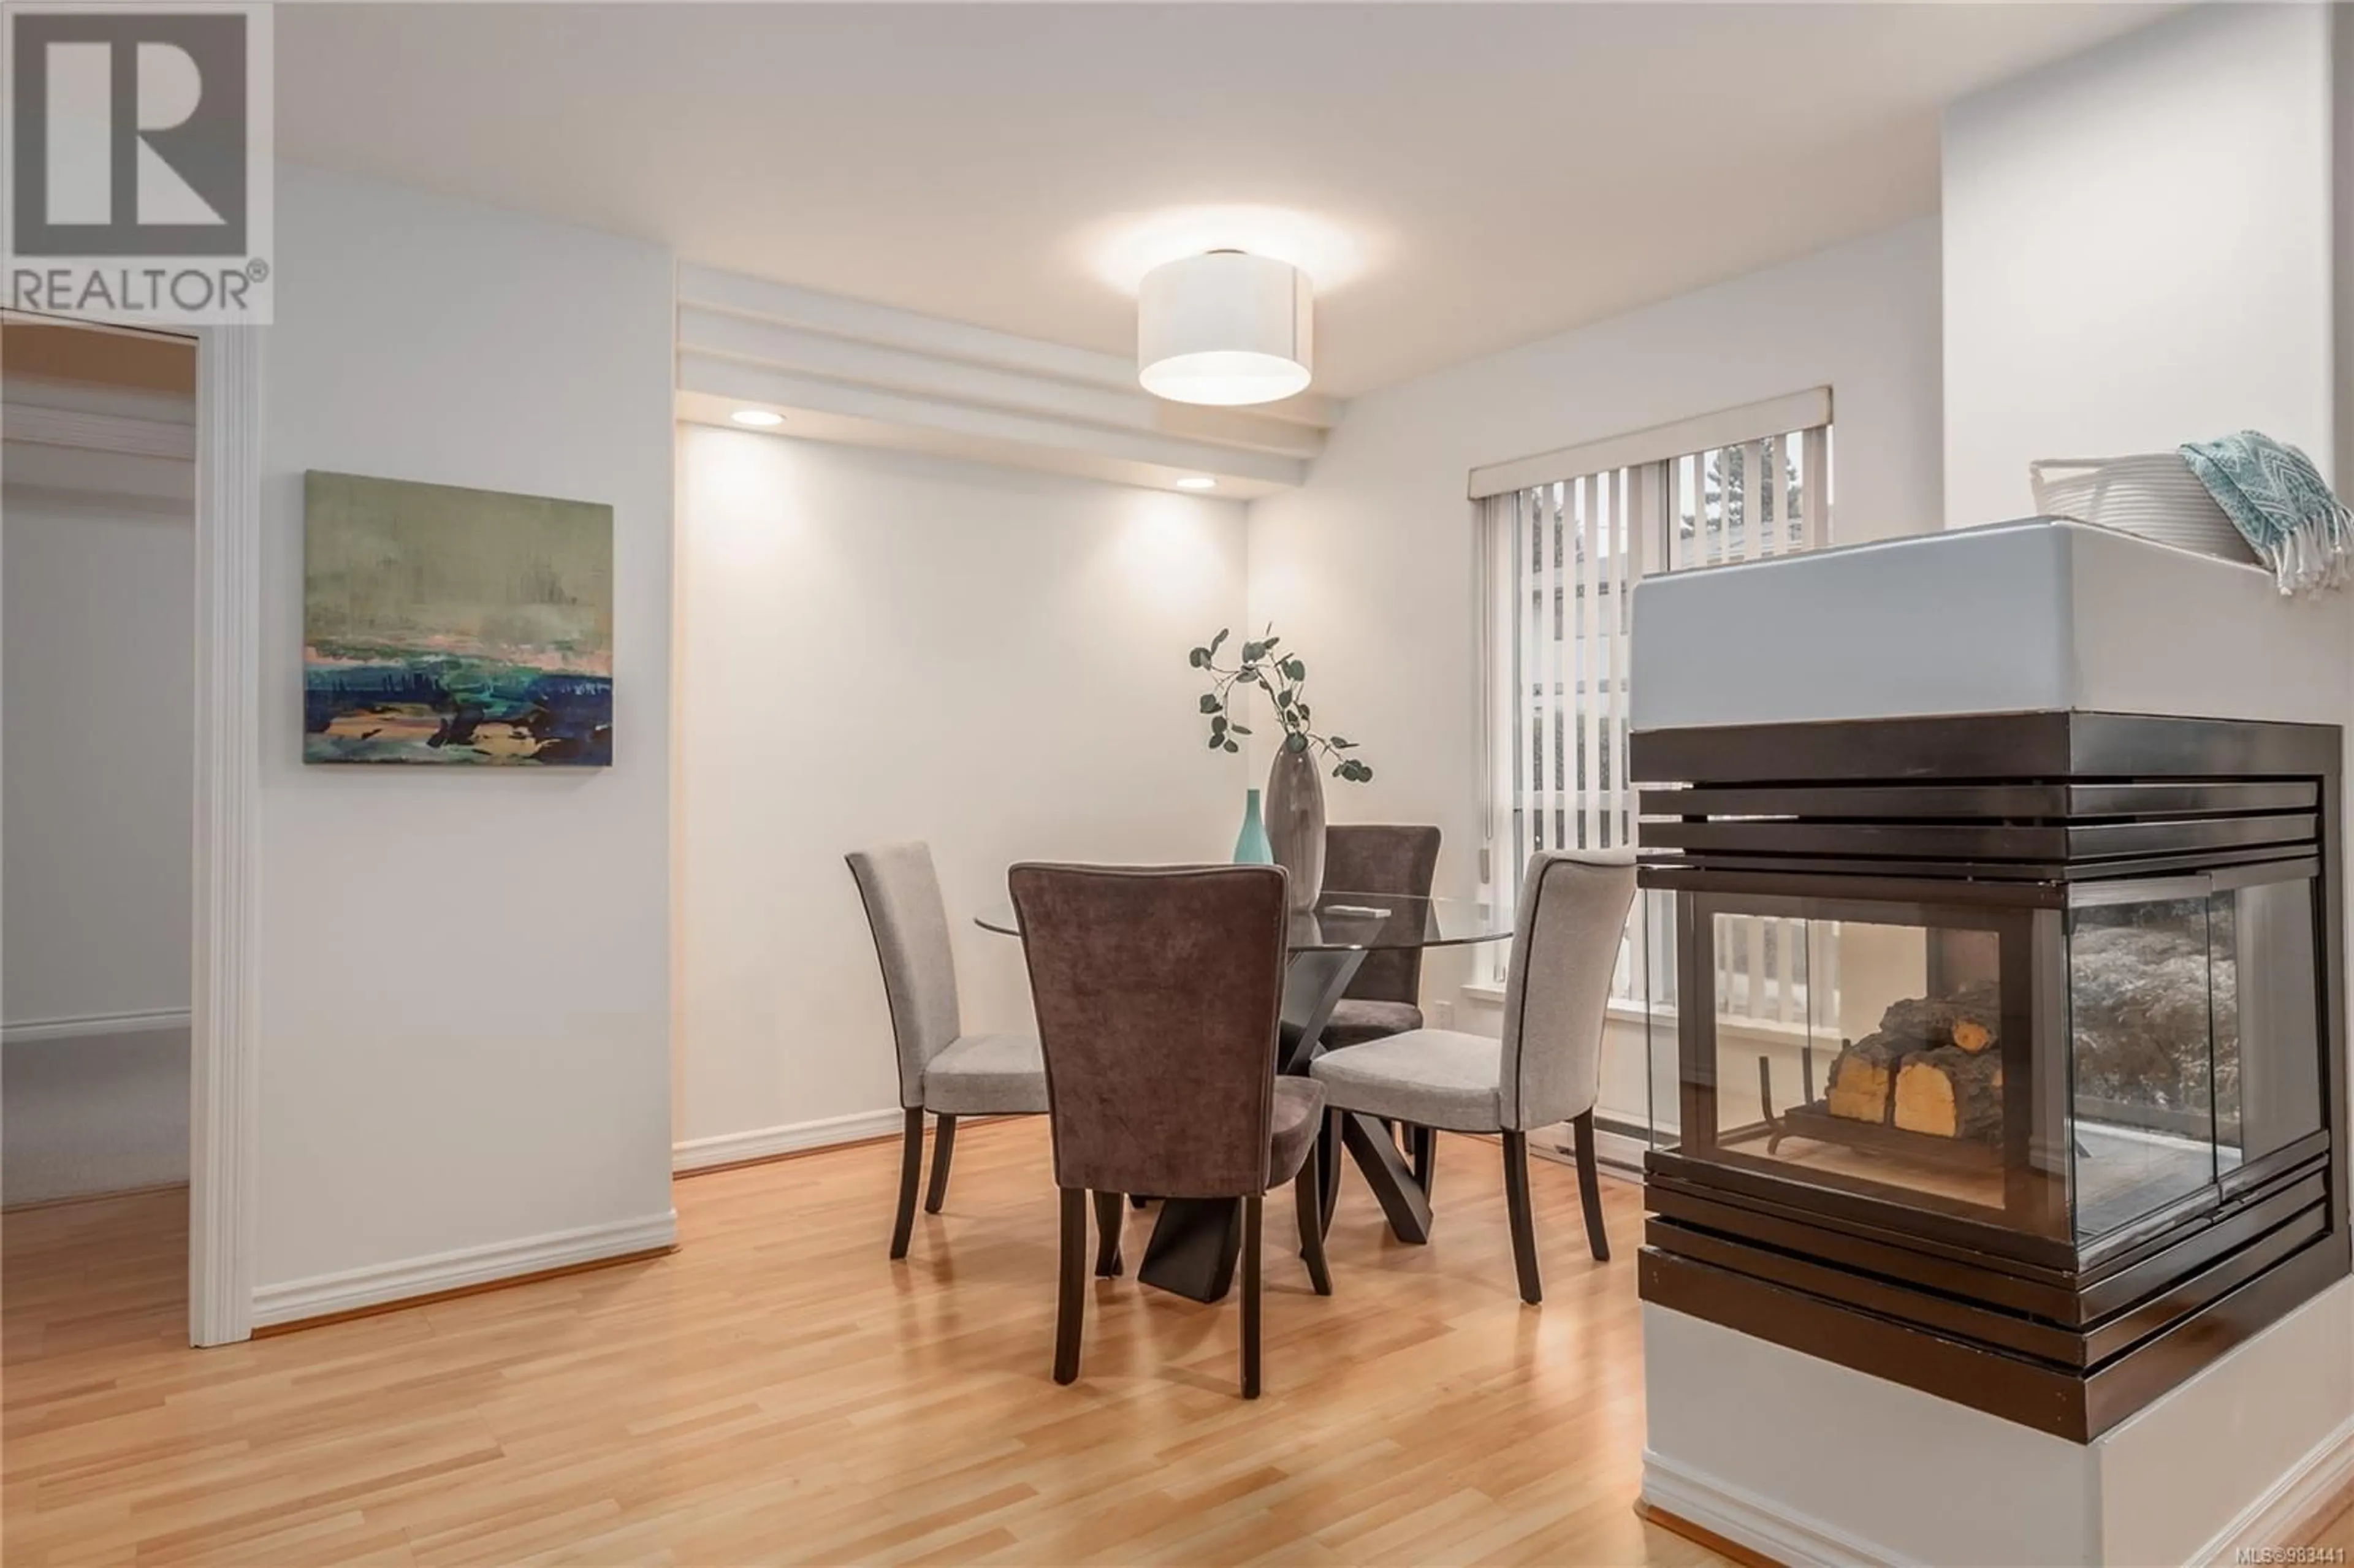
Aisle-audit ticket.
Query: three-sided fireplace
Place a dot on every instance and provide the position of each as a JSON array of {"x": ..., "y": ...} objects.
[{"x": 2049, "y": 1112}]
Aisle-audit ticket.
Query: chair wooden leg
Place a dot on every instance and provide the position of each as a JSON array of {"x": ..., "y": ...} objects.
[
  {"x": 1589, "y": 1187},
  {"x": 1252, "y": 1206},
  {"x": 1137, "y": 1200},
  {"x": 1110, "y": 1214},
  {"x": 943, "y": 1151},
  {"x": 1071, "y": 1302},
  {"x": 1328, "y": 1155},
  {"x": 1307, "y": 1197},
  {"x": 1424, "y": 1143},
  {"x": 1516, "y": 1203},
  {"x": 911, "y": 1175}
]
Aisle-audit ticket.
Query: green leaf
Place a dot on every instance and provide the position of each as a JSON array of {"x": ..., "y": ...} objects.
[
  {"x": 1271, "y": 638},
  {"x": 1218, "y": 740},
  {"x": 1210, "y": 703},
  {"x": 1295, "y": 742},
  {"x": 1221, "y": 637},
  {"x": 1231, "y": 746},
  {"x": 1218, "y": 725},
  {"x": 1238, "y": 729},
  {"x": 1296, "y": 668},
  {"x": 1252, "y": 650},
  {"x": 1342, "y": 745},
  {"x": 1198, "y": 657}
]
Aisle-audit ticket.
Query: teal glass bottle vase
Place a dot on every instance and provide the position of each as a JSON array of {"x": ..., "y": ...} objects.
[{"x": 1251, "y": 847}]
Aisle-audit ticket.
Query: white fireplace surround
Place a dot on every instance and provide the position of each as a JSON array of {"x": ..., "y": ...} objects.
[
  {"x": 2012, "y": 617},
  {"x": 1812, "y": 1464}
]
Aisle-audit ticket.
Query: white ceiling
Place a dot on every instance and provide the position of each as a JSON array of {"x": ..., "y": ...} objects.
[{"x": 1506, "y": 171}]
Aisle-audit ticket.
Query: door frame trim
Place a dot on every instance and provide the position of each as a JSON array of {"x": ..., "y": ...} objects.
[{"x": 224, "y": 1037}]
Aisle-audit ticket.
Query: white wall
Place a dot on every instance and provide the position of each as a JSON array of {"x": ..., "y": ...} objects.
[
  {"x": 2137, "y": 252},
  {"x": 464, "y": 974},
  {"x": 100, "y": 746},
  {"x": 1368, "y": 569},
  {"x": 878, "y": 646},
  {"x": 93, "y": 1113},
  {"x": 2341, "y": 100}
]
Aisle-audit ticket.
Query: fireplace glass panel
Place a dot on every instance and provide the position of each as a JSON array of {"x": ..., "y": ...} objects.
[
  {"x": 2267, "y": 1019},
  {"x": 2058, "y": 1069},
  {"x": 1656, "y": 912},
  {"x": 1866, "y": 1054},
  {"x": 2143, "y": 1078}
]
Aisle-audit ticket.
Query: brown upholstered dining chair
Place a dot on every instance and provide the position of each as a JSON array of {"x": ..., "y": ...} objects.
[
  {"x": 1157, "y": 992},
  {"x": 1384, "y": 996}
]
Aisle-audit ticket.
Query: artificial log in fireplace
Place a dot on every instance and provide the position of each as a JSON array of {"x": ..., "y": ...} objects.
[
  {"x": 2043, "y": 1117},
  {"x": 1929, "y": 1068}
]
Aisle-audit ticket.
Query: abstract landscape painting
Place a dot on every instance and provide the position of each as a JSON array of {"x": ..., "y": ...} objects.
[{"x": 443, "y": 625}]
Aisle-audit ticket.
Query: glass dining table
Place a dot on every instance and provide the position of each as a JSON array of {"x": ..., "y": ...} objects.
[{"x": 1195, "y": 1240}]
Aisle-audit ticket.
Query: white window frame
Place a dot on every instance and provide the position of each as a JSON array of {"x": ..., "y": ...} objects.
[{"x": 1600, "y": 518}]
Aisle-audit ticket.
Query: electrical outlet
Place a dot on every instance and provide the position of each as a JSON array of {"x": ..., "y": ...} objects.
[{"x": 1442, "y": 1014}]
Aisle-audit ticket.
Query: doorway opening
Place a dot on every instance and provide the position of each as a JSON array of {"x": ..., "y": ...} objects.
[{"x": 97, "y": 715}]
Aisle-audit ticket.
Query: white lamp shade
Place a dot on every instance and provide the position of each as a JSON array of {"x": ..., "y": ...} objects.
[{"x": 1225, "y": 328}]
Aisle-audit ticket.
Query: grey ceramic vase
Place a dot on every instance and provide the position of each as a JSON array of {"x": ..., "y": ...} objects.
[{"x": 1295, "y": 822}]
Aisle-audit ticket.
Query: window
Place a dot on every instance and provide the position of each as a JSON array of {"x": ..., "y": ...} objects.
[{"x": 1564, "y": 538}]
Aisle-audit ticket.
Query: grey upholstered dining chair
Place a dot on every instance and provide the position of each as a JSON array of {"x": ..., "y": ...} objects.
[
  {"x": 1547, "y": 1068},
  {"x": 1158, "y": 990},
  {"x": 941, "y": 1069}
]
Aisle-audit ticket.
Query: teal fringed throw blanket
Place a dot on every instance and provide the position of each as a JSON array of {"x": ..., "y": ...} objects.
[{"x": 2280, "y": 505}]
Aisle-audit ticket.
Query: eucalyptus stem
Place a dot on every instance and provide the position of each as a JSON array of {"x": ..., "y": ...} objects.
[{"x": 1283, "y": 676}]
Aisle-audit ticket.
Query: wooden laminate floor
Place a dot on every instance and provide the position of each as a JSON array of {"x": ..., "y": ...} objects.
[{"x": 777, "y": 1390}]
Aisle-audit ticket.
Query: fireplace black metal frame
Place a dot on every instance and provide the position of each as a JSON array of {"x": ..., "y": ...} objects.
[{"x": 1984, "y": 820}]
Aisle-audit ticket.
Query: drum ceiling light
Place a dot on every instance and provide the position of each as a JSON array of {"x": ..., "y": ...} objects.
[{"x": 1225, "y": 328}]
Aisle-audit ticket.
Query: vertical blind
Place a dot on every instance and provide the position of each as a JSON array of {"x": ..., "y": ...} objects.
[{"x": 1560, "y": 558}]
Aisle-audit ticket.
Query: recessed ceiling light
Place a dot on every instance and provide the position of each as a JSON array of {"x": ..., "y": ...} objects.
[
  {"x": 1197, "y": 482},
  {"x": 760, "y": 419}
]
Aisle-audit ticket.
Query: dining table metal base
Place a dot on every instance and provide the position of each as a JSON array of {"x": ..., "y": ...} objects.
[
  {"x": 1405, "y": 1200},
  {"x": 1195, "y": 1240},
  {"x": 1194, "y": 1243}
]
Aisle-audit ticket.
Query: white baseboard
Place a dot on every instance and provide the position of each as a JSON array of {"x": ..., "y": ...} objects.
[
  {"x": 323, "y": 1295},
  {"x": 2292, "y": 1501},
  {"x": 1747, "y": 1520},
  {"x": 763, "y": 1142},
  {"x": 94, "y": 1023}
]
